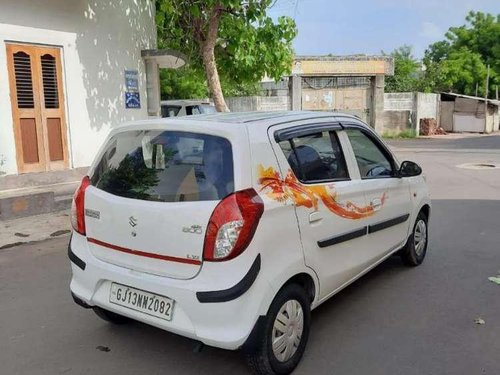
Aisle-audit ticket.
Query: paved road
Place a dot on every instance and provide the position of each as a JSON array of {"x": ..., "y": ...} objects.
[
  {"x": 439, "y": 158},
  {"x": 458, "y": 142},
  {"x": 394, "y": 320}
]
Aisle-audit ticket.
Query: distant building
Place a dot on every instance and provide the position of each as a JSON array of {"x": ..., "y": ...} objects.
[
  {"x": 464, "y": 113},
  {"x": 352, "y": 84},
  {"x": 69, "y": 71}
]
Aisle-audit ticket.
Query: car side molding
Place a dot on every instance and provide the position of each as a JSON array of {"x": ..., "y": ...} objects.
[
  {"x": 387, "y": 223},
  {"x": 363, "y": 231},
  {"x": 343, "y": 237}
]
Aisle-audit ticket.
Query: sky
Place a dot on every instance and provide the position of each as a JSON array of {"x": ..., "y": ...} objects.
[{"x": 371, "y": 26}]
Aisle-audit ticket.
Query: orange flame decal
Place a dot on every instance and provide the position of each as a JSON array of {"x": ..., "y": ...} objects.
[{"x": 308, "y": 196}]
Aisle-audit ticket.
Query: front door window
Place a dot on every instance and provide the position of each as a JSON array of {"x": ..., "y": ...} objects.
[{"x": 372, "y": 162}]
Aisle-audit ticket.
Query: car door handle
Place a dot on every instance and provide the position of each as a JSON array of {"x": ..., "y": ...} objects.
[
  {"x": 376, "y": 204},
  {"x": 315, "y": 217}
]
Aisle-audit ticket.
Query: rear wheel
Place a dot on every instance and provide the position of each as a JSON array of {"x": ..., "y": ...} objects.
[
  {"x": 111, "y": 316},
  {"x": 282, "y": 339},
  {"x": 413, "y": 253}
]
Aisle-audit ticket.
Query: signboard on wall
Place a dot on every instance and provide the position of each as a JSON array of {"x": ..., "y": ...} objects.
[
  {"x": 332, "y": 67},
  {"x": 132, "y": 97},
  {"x": 131, "y": 80},
  {"x": 132, "y": 100}
]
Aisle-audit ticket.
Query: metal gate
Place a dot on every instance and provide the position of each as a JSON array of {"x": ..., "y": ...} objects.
[{"x": 341, "y": 94}]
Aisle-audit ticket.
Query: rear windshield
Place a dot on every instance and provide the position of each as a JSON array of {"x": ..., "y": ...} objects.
[{"x": 166, "y": 166}]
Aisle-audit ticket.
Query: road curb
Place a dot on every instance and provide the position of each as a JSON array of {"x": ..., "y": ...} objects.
[{"x": 32, "y": 229}]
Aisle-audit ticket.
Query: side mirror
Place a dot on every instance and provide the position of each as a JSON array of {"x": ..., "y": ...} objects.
[{"x": 409, "y": 169}]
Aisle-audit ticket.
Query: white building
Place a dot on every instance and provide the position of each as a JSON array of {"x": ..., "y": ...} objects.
[{"x": 62, "y": 78}]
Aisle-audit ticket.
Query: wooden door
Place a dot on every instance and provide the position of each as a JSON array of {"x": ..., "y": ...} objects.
[{"x": 37, "y": 107}]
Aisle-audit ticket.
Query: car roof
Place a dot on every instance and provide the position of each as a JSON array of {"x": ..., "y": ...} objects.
[
  {"x": 182, "y": 102},
  {"x": 266, "y": 118},
  {"x": 220, "y": 121}
]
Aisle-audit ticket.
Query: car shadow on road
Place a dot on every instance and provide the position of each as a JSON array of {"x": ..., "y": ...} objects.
[{"x": 141, "y": 343}]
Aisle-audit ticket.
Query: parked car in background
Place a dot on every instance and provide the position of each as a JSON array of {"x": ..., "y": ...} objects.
[
  {"x": 176, "y": 108},
  {"x": 230, "y": 228}
]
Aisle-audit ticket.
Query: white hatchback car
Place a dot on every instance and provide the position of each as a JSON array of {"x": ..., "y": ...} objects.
[{"x": 230, "y": 228}]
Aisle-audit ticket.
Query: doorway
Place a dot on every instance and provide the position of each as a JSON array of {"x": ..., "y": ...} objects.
[{"x": 37, "y": 107}]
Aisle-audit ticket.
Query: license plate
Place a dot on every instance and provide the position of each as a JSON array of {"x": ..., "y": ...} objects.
[{"x": 152, "y": 304}]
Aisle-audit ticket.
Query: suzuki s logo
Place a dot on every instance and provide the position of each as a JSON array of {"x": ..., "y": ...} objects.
[{"x": 132, "y": 221}]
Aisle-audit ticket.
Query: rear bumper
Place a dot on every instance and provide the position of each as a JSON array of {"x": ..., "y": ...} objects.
[
  {"x": 226, "y": 295},
  {"x": 218, "y": 307}
]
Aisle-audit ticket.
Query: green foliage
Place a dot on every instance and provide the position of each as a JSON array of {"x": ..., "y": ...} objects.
[
  {"x": 233, "y": 88},
  {"x": 250, "y": 50},
  {"x": 184, "y": 83},
  {"x": 460, "y": 62},
  {"x": 462, "y": 70},
  {"x": 248, "y": 44},
  {"x": 406, "y": 71},
  {"x": 190, "y": 83}
]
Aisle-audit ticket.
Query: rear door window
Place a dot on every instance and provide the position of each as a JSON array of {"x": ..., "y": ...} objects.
[
  {"x": 316, "y": 157},
  {"x": 166, "y": 166}
]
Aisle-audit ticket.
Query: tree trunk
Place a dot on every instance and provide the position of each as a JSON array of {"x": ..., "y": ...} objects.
[{"x": 208, "y": 57}]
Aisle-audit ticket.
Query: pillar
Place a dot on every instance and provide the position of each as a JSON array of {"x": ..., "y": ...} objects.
[
  {"x": 377, "y": 115},
  {"x": 295, "y": 92},
  {"x": 153, "y": 87}
]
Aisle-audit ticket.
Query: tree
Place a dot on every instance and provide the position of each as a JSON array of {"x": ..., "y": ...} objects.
[
  {"x": 459, "y": 62},
  {"x": 183, "y": 83},
  {"x": 231, "y": 40},
  {"x": 462, "y": 70},
  {"x": 406, "y": 70}
]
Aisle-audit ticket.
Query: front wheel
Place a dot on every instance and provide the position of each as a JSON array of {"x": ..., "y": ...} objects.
[
  {"x": 283, "y": 336},
  {"x": 413, "y": 253}
]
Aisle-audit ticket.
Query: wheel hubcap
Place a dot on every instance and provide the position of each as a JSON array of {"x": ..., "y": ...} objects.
[
  {"x": 420, "y": 237},
  {"x": 287, "y": 330}
]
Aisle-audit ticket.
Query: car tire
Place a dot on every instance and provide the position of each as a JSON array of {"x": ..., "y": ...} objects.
[
  {"x": 289, "y": 347},
  {"x": 413, "y": 253},
  {"x": 110, "y": 316}
]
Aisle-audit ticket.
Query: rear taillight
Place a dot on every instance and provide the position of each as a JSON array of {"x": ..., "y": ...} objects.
[
  {"x": 232, "y": 225},
  {"x": 78, "y": 207}
]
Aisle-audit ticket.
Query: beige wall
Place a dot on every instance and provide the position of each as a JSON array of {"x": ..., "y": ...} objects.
[
  {"x": 420, "y": 105},
  {"x": 492, "y": 119},
  {"x": 447, "y": 115},
  {"x": 396, "y": 121},
  {"x": 258, "y": 103}
]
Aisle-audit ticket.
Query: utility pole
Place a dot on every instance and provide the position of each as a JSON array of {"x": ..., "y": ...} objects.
[
  {"x": 486, "y": 99},
  {"x": 477, "y": 86},
  {"x": 497, "y": 93},
  {"x": 487, "y": 82}
]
